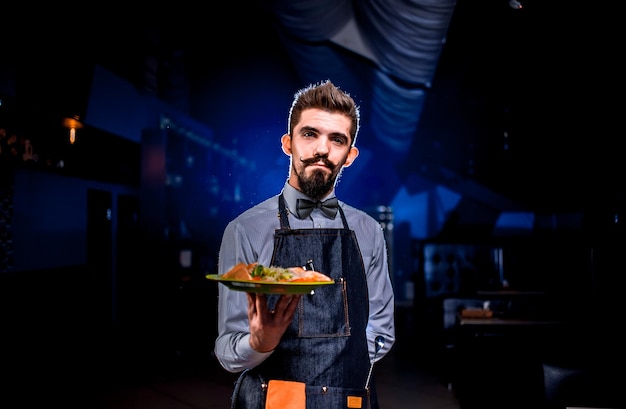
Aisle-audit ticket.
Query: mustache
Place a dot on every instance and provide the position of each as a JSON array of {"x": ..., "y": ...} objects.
[{"x": 316, "y": 159}]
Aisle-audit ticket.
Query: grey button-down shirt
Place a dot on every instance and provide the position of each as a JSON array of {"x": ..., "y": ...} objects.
[{"x": 249, "y": 238}]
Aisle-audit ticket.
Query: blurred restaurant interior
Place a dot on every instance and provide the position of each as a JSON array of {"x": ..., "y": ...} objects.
[{"x": 488, "y": 153}]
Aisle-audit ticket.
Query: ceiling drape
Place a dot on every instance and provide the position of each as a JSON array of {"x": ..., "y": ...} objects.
[{"x": 405, "y": 38}]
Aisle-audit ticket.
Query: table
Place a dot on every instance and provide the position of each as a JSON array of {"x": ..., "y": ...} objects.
[
  {"x": 498, "y": 321},
  {"x": 504, "y": 353}
]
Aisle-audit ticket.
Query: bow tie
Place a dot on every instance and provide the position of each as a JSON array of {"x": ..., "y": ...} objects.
[{"x": 304, "y": 207}]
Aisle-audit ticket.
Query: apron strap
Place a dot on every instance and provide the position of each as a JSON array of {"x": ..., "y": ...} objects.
[{"x": 283, "y": 213}]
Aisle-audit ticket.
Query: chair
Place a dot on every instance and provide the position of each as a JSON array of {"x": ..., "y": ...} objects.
[{"x": 577, "y": 385}]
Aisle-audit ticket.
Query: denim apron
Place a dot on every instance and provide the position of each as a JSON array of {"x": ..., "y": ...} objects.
[{"x": 325, "y": 345}]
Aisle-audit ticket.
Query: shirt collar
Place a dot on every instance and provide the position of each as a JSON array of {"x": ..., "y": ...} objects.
[{"x": 291, "y": 195}]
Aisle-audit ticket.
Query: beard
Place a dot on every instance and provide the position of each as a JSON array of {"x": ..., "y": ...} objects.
[{"x": 318, "y": 183}]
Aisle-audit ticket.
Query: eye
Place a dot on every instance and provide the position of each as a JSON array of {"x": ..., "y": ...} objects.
[
  {"x": 308, "y": 134},
  {"x": 339, "y": 140}
]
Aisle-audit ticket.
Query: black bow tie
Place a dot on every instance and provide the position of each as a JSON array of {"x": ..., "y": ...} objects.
[{"x": 304, "y": 207}]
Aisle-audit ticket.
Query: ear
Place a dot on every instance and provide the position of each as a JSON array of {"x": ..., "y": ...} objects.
[
  {"x": 354, "y": 152},
  {"x": 285, "y": 142}
]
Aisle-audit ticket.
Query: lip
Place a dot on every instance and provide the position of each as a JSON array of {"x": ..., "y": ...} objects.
[
  {"x": 317, "y": 163},
  {"x": 318, "y": 166}
]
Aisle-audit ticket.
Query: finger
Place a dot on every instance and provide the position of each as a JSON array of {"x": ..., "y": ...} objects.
[
  {"x": 293, "y": 303},
  {"x": 251, "y": 303},
  {"x": 286, "y": 300},
  {"x": 261, "y": 304},
  {"x": 287, "y": 305}
]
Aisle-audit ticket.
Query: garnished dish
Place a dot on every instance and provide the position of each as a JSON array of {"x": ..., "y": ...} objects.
[{"x": 258, "y": 278}]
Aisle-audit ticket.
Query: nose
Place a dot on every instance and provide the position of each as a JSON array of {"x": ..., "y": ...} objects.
[{"x": 322, "y": 147}]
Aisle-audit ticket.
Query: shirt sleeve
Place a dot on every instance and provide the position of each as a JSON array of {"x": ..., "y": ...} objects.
[
  {"x": 381, "y": 298},
  {"x": 232, "y": 346}
]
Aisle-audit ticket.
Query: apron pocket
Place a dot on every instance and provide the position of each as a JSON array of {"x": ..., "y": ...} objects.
[
  {"x": 285, "y": 395},
  {"x": 316, "y": 320},
  {"x": 324, "y": 397}
]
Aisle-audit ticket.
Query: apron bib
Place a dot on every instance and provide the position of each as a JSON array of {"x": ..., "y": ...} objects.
[{"x": 325, "y": 346}]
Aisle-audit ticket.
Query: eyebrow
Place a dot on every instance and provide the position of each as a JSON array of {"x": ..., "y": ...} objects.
[
  {"x": 309, "y": 128},
  {"x": 332, "y": 134}
]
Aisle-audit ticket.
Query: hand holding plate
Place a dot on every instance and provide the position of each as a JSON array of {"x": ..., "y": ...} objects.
[{"x": 268, "y": 326}]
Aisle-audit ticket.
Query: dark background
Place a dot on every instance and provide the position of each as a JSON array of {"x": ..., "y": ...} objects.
[{"x": 519, "y": 119}]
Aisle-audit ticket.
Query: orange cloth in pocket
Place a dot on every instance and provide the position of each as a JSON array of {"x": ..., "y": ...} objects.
[{"x": 285, "y": 395}]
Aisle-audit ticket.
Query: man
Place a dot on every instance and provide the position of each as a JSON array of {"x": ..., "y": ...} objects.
[{"x": 324, "y": 343}]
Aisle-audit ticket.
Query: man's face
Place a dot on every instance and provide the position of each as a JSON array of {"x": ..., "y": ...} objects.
[{"x": 320, "y": 149}]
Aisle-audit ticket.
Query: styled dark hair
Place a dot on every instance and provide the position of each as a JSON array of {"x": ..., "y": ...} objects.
[{"x": 328, "y": 97}]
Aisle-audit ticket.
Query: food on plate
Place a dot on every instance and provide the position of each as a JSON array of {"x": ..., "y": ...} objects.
[
  {"x": 240, "y": 271},
  {"x": 258, "y": 272}
]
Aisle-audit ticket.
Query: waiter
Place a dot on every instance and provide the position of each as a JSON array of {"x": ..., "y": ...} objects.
[{"x": 314, "y": 350}]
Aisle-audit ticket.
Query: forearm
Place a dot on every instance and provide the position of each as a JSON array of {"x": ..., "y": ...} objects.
[
  {"x": 381, "y": 303},
  {"x": 234, "y": 353},
  {"x": 232, "y": 346},
  {"x": 381, "y": 323}
]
